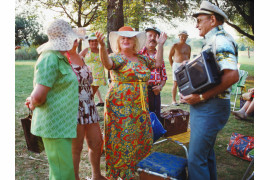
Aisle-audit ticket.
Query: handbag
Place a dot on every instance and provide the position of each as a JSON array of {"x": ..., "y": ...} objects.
[
  {"x": 157, "y": 127},
  {"x": 247, "y": 96},
  {"x": 240, "y": 146},
  {"x": 34, "y": 143}
]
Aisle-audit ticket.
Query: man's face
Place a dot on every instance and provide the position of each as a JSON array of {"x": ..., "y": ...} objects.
[
  {"x": 203, "y": 24},
  {"x": 183, "y": 38},
  {"x": 151, "y": 39}
]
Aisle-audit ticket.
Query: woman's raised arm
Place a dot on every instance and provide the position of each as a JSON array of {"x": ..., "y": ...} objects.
[{"x": 107, "y": 62}]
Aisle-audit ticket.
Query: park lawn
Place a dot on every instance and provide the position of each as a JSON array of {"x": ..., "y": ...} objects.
[{"x": 29, "y": 165}]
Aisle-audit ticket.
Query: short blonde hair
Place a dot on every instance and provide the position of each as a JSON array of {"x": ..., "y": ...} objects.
[{"x": 134, "y": 48}]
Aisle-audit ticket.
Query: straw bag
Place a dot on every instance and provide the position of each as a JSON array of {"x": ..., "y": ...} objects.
[{"x": 34, "y": 143}]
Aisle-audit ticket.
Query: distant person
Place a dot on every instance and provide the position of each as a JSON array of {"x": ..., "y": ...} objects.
[
  {"x": 210, "y": 110},
  {"x": 91, "y": 56},
  {"x": 158, "y": 76},
  {"x": 54, "y": 100},
  {"x": 88, "y": 119},
  {"x": 247, "y": 110},
  {"x": 128, "y": 130},
  {"x": 179, "y": 53}
]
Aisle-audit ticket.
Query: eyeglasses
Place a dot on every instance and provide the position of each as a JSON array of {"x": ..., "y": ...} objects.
[{"x": 199, "y": 20}]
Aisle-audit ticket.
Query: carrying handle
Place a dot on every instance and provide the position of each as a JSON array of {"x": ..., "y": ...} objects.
[{"x": 30, "y": 112}]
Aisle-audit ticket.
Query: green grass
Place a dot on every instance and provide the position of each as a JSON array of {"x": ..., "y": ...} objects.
[{"x": 228, "y": 166}]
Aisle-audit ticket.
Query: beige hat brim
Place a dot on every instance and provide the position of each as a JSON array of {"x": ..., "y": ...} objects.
[
  {"x": 60, "y": 44},
  {"x": 113, "y": 36},
  {"x": 201, "y": 12}
]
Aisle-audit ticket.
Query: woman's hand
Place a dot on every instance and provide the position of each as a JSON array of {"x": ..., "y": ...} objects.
[
  {"x": 103, "y": 54},
  {"x": 29, "y": 104},
  {"x": 100, "y": 38}
]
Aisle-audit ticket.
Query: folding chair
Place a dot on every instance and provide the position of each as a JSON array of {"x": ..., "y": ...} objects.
[
  {"x": 166, "y": 166},
  {"x": 181, "y": 139},
  {"x": 238, "y": 87}
]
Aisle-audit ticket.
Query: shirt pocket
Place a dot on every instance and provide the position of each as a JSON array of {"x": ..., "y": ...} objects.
[
  {"x": 65, "y": 68},
  {"x": 66, "y": 75}
]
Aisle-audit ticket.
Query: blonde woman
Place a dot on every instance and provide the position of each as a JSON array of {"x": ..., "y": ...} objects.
[{"x": 128, "y": 131}]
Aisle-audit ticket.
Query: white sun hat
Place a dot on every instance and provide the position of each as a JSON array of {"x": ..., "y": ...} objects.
[
  {"x": 91, "y": 36},
  {"x": 126, "y": 31},
  {"x": 61, "y": 37},
  {"x": 208, "y": 8},
  {"x": 184, "y": 32}
]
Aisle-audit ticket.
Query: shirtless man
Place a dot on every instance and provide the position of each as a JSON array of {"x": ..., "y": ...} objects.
[{"x": 179, "y": 53}]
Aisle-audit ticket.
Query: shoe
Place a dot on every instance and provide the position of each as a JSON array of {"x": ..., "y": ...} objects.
[
  {"x": 175, "y": 104},
  {"x": 100, "y": 104},
  {"x": 239, "y": 115},
  {"x": 182, "y": 102}
]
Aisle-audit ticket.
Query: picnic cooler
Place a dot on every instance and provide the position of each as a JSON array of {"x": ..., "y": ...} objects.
[
  {"x": 175, "y": 121},
  {"x": 160, "y": 166}
]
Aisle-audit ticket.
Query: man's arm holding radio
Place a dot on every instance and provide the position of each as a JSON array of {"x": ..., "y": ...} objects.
[{"x": 228, "y": 78}]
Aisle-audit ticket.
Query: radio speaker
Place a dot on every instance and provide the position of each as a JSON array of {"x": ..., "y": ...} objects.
[{"x": 198, "y": 75}]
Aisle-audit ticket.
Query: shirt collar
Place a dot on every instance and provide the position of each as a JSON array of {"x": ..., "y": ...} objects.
[
  {"x": 144, "y": 50},
  {"x": 60, "y": 56},
  {"x": 213, "y": 32}
]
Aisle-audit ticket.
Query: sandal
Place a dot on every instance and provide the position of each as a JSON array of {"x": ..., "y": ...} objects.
[
  {"x": 175, "y": 104},
  {"x": 100, "y": 104}
]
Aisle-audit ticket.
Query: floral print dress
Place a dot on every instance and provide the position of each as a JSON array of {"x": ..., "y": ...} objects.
[
  {"x": 87, "y": 113},
  {"x": 128, "y": 131},
  {"x": 97, "y": 68}
]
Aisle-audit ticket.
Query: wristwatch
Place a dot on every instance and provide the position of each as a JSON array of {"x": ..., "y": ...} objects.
[
  {"x": 160, "y": 87},
  {"x": 201, "y": 97}
]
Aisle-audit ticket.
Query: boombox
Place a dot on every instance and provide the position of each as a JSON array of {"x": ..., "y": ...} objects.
[{"x": 198, "y": 75}]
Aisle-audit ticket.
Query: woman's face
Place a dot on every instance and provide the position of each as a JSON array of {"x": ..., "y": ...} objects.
[
  {"x": 93, "y": 44},
  {"x": 127, "y": 42}
]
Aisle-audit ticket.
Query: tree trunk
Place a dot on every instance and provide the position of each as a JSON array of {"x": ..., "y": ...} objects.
[
  {"x": 115, "y": 20},
  {"x": 115, "y": 17}
]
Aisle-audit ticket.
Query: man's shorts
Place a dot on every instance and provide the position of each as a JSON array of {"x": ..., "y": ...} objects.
[{"x": 174, "y": 67}]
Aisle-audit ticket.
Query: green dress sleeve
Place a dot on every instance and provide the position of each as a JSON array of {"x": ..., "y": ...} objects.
[{"x": 46, "y": 70}]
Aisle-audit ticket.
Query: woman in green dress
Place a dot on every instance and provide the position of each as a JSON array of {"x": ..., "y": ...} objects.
[
  {"x": 128, "y": 131},
  {"x": 54, "y": 100},
  {"x": 91, "y": 57}
]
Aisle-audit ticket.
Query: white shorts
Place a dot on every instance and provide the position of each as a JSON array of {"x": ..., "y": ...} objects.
[{"x": 174, "y": 68}]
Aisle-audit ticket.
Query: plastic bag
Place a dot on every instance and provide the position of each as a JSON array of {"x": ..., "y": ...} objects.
[{"x": 157, "y": 127}]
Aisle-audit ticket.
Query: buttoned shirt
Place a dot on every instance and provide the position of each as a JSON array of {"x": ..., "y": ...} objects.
[
  {"x": 157, "y": 75},
  {"x": 225, "y": 50},
  {"x": 57, "y": 117}
]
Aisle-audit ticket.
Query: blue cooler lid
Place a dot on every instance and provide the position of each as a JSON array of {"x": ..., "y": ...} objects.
[{"x": 162, "y": 163}]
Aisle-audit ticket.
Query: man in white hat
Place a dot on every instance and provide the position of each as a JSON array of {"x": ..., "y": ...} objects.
[
  {"x": 179, "y": 53},
  {"x": 210, "y": 111},
  {"x": 158, "y": 76}
]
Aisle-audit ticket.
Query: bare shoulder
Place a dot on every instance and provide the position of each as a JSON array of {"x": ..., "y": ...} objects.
[{"x": 174, "y": 45}]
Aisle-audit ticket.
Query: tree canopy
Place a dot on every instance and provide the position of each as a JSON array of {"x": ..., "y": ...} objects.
[
  {"x": 27, "y": 30},
  {"x": 93, "y": 13}
]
